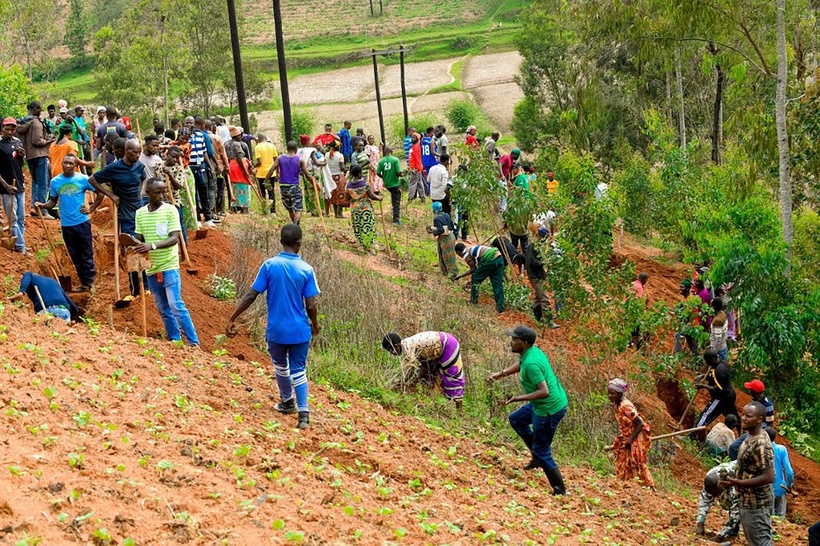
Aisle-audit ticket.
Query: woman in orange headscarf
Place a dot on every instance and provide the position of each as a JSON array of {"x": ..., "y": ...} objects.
[{"x": 633, "y": 440}]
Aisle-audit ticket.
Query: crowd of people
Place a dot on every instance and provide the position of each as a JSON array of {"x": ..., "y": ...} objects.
[{"x": 190, "y": 175}]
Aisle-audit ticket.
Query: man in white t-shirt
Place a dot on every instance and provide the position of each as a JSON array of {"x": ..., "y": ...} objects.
[{"x": 439, "y": 179}]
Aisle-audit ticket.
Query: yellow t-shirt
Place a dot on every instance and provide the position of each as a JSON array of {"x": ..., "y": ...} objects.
[
  {"x": 552, "y": 186},
  {"x": 266, "y": 153}
]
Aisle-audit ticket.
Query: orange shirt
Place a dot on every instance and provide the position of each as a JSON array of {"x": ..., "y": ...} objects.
[{"x": 58, "y": 152}]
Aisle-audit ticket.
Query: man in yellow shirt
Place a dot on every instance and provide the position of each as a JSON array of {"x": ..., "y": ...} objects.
[
  {"x": 552, "y": 183},
  {"x": 264, "y": 155}
]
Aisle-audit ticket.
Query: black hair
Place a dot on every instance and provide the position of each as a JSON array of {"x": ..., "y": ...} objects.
[
  {"x": 170, "y": 134},
  {"x": 69, "y": 154},
  {"x": 643, "y": 277},
  {"x": 33, "y": 104},
  {"x": 291, "y": 235},
  {"x": 429, "y": 130},
  {"x": 151, "y": 138},
  {"x": 459, "y": 248},
  {"x": 184, "y": 131},
  {"x": 174, "y": 120},
  {"x": 151, "y": 182},
  {"x": 51, "y": 107},
  {"x": 291, "y": 145},
  {"x": 699, "y": 284},
  {"x": 159, "y": 128},
  {"x": 110, "y": 111},
  {"x": 760, "y": 409},
  {"x": 731, "y": 421},
  {"x": 355, "y": 171},
  {"x": 710, "y": 355},
  {"x": 391, "y": 342},
  {"x": 717, "y": 305},
  {"x": 772, "y": 432},
  {"x": 444, "y": 158},
  {"x": 463, "y": 167},
  {"x": 65, "y": 130},
  {"x": 119, "y": 142},
  {"x": 175, "y": 149}
]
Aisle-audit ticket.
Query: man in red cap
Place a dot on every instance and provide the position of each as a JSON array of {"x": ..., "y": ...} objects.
[{"x": 757, "y": 390}]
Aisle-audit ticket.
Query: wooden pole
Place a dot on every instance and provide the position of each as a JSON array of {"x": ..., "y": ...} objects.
[
  {"x": 143, "y": 307},
  {"x": 319, "y": 207},
  {"x": 378, "y": 92},
  {"x": 686, "y": 411},
  {"x": 40, "y": 298},
  {"x": 283, "y": 69},
  {"x": 50, "y": 242},
  {"x": 237, "y": 67},
  {"x": 403, "y": 91},
  {"x": 668, "y": 435},
  {"x": 384, "y": 229},
  {"x": 116, "y": 254}
]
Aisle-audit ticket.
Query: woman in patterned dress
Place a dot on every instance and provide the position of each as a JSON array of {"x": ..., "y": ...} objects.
[
  {"x": 361, "y": 208},
  {"x": 632, "y": 443},
  {"x": 374, "y": 155}
]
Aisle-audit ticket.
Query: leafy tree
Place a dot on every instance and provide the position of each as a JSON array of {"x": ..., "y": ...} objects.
[
  {"x": 209, "y": 49},
  {"x": 77, "y": 30},
  {"x": 30, "y": 33},
  {"x": 15, "y": 91}
]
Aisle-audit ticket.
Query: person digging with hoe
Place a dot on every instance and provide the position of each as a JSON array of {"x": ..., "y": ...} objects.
[
  {"x": 291, "y": 290},
  {"x": 546, "y": 403},
  {"x": 426, "y": 354}
]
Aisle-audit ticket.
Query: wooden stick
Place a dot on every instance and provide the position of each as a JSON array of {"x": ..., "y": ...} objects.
[
  {"x": 142, "y": 306},
  {"x": 182, "y": 244},
  {"x": 319, "y": 206},
  {"x": 39, "y": 297},
  {"x": 116, "y": 254},
  {"x": 686, "y": 411},
  {"x": 664, "y": 436},
  {"x": 139, "y": 133},
  {"x": 384, "y": 228},
  {"x": 50, "y": 242},
  {"x": 191, "y": 204}
]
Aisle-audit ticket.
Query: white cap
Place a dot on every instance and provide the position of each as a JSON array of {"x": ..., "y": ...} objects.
[{"x": 100, "y": 109}]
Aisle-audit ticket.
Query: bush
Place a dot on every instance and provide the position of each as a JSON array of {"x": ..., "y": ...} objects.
[
  {"x": 222, "y": 288},
  {"x": 15, "y": 91},
  {"x": 395, "y": 129},
  {"x": 462, "y": 113},
  {"x": 304, "y": 123}
]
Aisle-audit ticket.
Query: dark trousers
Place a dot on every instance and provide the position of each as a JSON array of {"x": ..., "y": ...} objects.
[
  {"x": 445, "y": 205},
  {"x": 395, "y": 200},
  {"x": 201, "y": 181},
  {"x": 494, "y": 269},
  {"x": 267, "y": 192},
  {"x": 219, "y": 204},
  {"x": 80, "y": 248},
  {"x": 537, "y": 432},
  {"x": 463, "y": 224},
  {"x": 523, "y": 240},
  {"x": 814, "y": 534}
]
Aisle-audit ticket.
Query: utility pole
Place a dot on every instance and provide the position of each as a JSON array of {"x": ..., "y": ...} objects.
[
  {"x": 237, "y": 67},
  {"x": 403, "y": 91},
  {"x": 378, "y": 94},
  {"x": 283, "y": 69},
  {"x": 373, "y": 53}
]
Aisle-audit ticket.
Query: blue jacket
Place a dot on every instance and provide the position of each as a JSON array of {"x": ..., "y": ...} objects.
[{"x": 783, "y": 473}]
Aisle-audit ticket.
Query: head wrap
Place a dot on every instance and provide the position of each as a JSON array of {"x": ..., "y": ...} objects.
[
  {"x": 515, "y": 151},
  {"x": 304, "y": 140},
  {"x": 618, "y": 385},
  {"x": 436, "y": 206}
]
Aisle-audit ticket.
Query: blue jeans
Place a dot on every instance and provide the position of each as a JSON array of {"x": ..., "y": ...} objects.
[
  {"x": 289, "y": 363},
  {"x": 168, "y": 299},
  {"x": 537, "y": 432},
  {"x": 39, "y": 179},
  {"x": 16, "y": 219},
  {"x": 59, "y": 311}
]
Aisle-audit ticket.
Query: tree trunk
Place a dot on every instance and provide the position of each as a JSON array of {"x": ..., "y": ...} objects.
[
  {"x": 717, "y": 121},
  {"x": 782, "y": 131},
  {"x": 681, "y": 107}
]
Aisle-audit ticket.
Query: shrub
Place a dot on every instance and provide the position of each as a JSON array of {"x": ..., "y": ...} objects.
[
  {"x": 222, "y": 288},
  {"x": 304, "y": 123},
  {"x": 462, "y": 113}
]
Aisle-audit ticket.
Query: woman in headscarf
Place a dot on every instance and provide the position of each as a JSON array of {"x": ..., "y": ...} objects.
[
  {"x": 336, "y": 164},
  {"x": 443, "y": 229},
  {"x": 374, "y": 155},
  {"x": 632, "y": 443},
  {"x": 361, "y": 207}
]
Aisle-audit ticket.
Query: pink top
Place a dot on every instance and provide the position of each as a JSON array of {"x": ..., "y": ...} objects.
[{"x": 637, "y": 287}]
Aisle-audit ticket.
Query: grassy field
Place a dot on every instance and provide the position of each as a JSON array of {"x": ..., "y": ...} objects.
[{"x": 313, "y": 45}]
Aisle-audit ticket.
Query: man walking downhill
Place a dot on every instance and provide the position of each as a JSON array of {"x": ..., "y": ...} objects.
[
  {"x": 68, "y": 189},
  {"x": 264, "y": 156},
  {"x": 36, "y": 141},
  {"x": 291, "y": 290},
  {"x": 389, "y": 168},
  {"x": 546, "y": 403},
  {"x": 755, "y": 474},
  {"x": 158, "y": 228},
  {"x": 12, "y": 190}
]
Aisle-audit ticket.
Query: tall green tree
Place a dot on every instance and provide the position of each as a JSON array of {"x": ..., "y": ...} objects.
[
  {"x": 76, "y": 34},
  {"x": 15, "y": 91},
  {"x": 209, "y": 50}
]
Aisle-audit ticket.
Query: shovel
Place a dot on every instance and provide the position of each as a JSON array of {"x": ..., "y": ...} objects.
[
  {"x": 9, "y": 240},
  {"x": 120, "y": 302},
  {"x": 64, "y": 280}
]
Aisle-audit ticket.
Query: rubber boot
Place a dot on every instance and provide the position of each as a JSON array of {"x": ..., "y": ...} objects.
[
  {"x": 556, "y": 481},
  {"x": 533, "y": 461}
]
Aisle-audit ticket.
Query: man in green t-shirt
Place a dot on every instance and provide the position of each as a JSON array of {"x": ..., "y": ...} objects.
[
  {"x": 389, "y": 169},
  {"x": 158, "y": 228},
  {"x": 546, "y": 399}
]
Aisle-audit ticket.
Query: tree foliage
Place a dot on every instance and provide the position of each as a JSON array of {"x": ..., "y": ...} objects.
[{"x": 15, "y": 91}]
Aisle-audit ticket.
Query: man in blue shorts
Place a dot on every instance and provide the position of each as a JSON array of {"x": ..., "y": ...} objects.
[{"x": 291, "y": 291}]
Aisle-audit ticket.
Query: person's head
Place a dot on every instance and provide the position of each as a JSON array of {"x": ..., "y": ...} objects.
[
  {"x": 199, "y": 122},
  {"x": 159, "y": 128},
  {"x": 118, "y": 146},
  {"x": 261, "y": 138},
  {"x": 414, "y": 138},
  {"x": 347, "y": 125},
  {"x": 9, "y": 128},
  {"x": 550, "y": 176},
  {"x": 521, "y": 338},
  {"x": 429, "y": 131},
  {"x": 173, "y": 155},
  {"x": 444, "y": 159},
  {"x": 79, "y": 110},
  {"x": 711, "y": 484},
  {"x": 100, "y": 112},
  {"x": 184, "y": 135},
  {"x": 359, "y": 145},
  {"x": 441, "y": 129},
  {"x": 472, "y": 130},
  {"x": 291, "y": 237},
  {"x": 392, "y": 343},
  {"x": 69, "y": 163},
  {"x": 156, "y": 191},
  {"x": 438, "y": 133},
  {"x": 388, "y": 151},
  {"x": 63, "y": 112},
  {"x": 328, "y": 128},
  {"x": 51, "y": 109},
  {"x": 730, "y": 421},
  {"x": 436, "y": 207},
  {"x": 235, "y": 133},
  {"x": 515, "y": 153},
  {"x": 360, "y": 131},
  {"x": 717, "y": 305},
  {"x": 65, "y": 131},
  {"x": 616, "y": 389},
  {"x": 304, "y": 140},
  {"x": 133, "y": 149},
  {"x": 642, "y": 278},
  {"x": 210, "y": 126},
  {"x": 356, "y": 171},
  {"x": 459, "y": 249},
  {"x": 752, "y": 416},
  {"x": 685, "y": 287},
  {"x": 699, "y": 284},
  {"x": 710, "y": 356},
  {"x": 496, "y": 136},
  {"x": 411, "y": 130},
  {"x": 772, "y": 432},
  {"x": 515, "y": 169},
  {"x": 371, "y": 139},
  {"x": 174, "y": 123},
  {"x": 189, "y": 122},
  {"x": 292, "y": 146},
  {"x": 151, "y": 144},
  {"x": 756, "y": 388},
  {"x": 110, "y": 113},
  {"x": 34, "y": 108}
]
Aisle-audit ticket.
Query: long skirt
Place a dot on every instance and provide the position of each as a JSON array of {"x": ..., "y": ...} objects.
[
  {"x": 241, "y": 196},
  {"x": 447, "y": 261},
  {"x": 364, "y": 227},
  {"x": 188, "y": 189},
  {"x": 340, "y": 196}
]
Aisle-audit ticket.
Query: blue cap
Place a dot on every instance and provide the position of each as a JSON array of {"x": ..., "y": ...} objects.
[
  {"x": 436, "y": 206},
  {"x": 542, "y": 231}
]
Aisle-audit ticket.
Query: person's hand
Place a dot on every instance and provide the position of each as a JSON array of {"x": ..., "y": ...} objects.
[
  {"x": 12, "y": 189},
  {"x": 115, "y": 199},
  {"x": 38, "y": 205},
  {"x": 21, "y": 152},
  {"x": 85, "y": 209},
  {"x": 231, "y": 329},
  {"x": 511, "y": 400},
  {"x": 731, "y": 481},
  {"x": 315, "y": 329},
  {"x": 141, "y": 248}
]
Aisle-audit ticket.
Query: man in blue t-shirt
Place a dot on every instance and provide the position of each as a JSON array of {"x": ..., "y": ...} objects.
[
  {"x": 291, "y": 289},
  {"x": 125, "y": 177},
  {"x": 344, "y": 138},
  {"x": 69, "y": 190},
  {"x": 429, "y": 156},
  {"x": 45, "y": 291}
]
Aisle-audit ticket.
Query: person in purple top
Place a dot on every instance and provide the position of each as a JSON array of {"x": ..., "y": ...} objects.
[
  {"x": 289, "y": 167},
  {"x": 290, "y": 289}
]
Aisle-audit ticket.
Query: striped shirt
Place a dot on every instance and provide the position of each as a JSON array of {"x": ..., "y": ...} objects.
[
  {"x": 155, "y": 227},
  {"x": 198, "y": 148}
]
